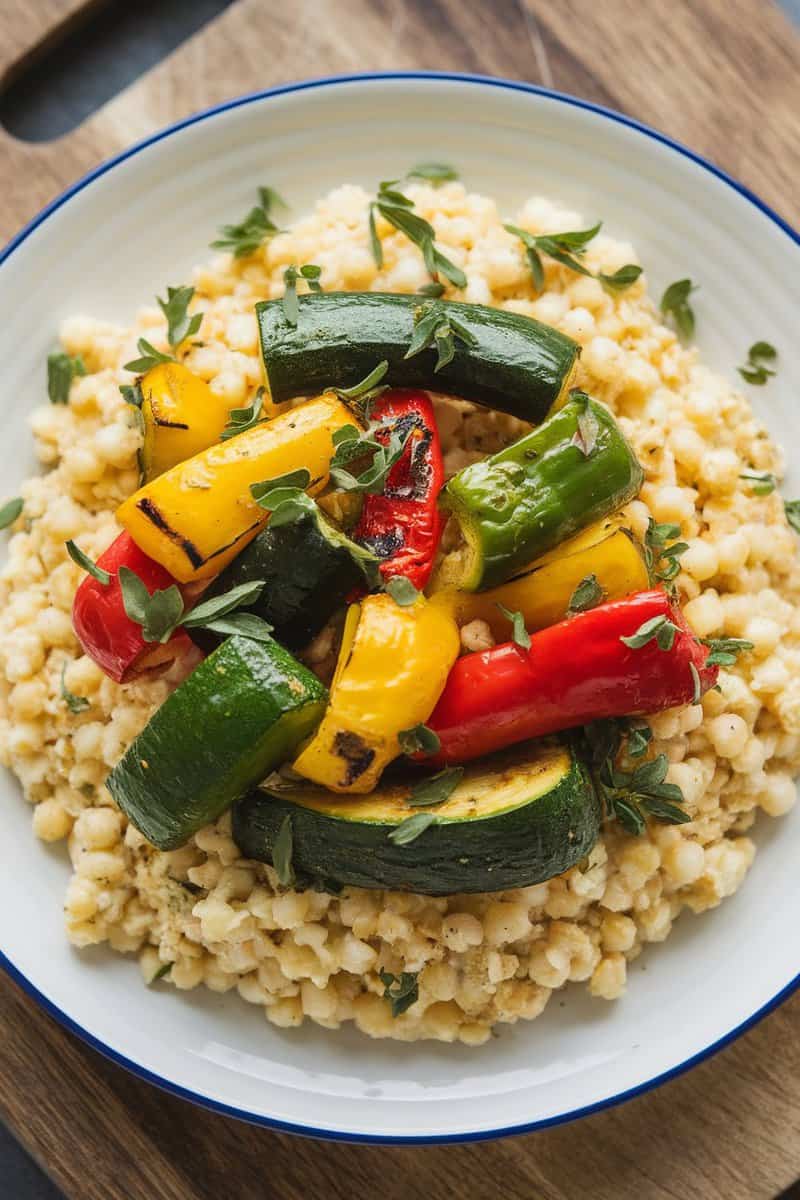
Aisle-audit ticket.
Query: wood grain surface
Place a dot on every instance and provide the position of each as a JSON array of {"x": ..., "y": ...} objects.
[{"x": 721, "y": 75}]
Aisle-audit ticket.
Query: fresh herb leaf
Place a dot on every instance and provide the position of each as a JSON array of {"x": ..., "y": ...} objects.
[
  {"x": 402, "y": 591},
  {"x": 163, "y": 970},
  {"x": 621, "y": 279},
  {"x": 220, "y": 606},
  {"x": 433, "y": 327},
  {"x": 662, "y": 558},
  {"x": 176, "y": 310},
  {"x": 150, "y": 357},
  {"x": 436, "y": 788},
  {"x": 585, "y": 436},
  {"x": 373, "y": 479},
  {"x": 61, "y": 370},
  {"x": 762, "y": 483},
  {"x": 242, "y": 419},
  {"x": 83, "y": 560},
  {"x": 410, "y": 829},
  {"x": 631, "y": 796},
  {"x": 587, "y": 595},
  {"x": 132, "y": 394},
  {"x": 675, "y": 305},
  {"x": 245, "y": 624},
  {"x": 418, "y": 740},
  {"x": 299, "y": 478},
  {"x": 75, "y": 704},
  {"x": 659, "y": 629},
  {"x": 400, "y": 990},
  {"x": 158, "y": 614},
  {"x": 432, "y": 290},
  {"x": 310, "y": 272},
  {"x": 519, "y": 634},
  {"x": 10, "y": 511},
  {"x": 245, "y": 237},
  {"x": 282, "y": 849},
  {"x": 639, "y": 738},
  {"x": 725, "y": 650},
  {"x": 397, "y": 209},
  {"x": 792, "y": 510},
  {"x": 433, "y": 172},
  {"x": 369, "y": 388},
  {"x": 564, "y": 248},
  {"x": 754, "y": 370}
]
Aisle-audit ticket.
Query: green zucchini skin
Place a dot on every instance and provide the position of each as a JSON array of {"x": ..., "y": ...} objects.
[
  {"x": 240, "y": 714},
  {"x": 538, "y": 492},
  {"x": 517, "y": 365},
  {"x": 514, "y": 848},
  {"x": 308, "y": 576}
]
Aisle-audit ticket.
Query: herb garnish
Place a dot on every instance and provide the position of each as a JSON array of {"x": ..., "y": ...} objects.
[
  {"x": 299, "y": 478},
  {"x": 366, "y": 390},
  {"x": 725, "y": 650},
  {"x": 519, "y": 634},
  {"x": 418, "y": 740},
  {"x": 792, "y": 510},
  {"x": 282, "y": 849},
  {"x": 675, "y": 305},
  {"x": 432, "y": 326},
  {"x": 132, "y": 393},
  {"x": 163, "y": 970},
  {"x": 432, "y": 291},
  {"x": 433, "y": 172},
  {"x": 400, "y": 990},
  {"x": 754, "y": 370},
  {"x": 762, "y": 483},
  {"x": 567, "y": 249},
  {"x": 175, "y": 308},
  {"x": 149, "y": 358},
  {"x": 402, "y": 591},
  {"x": 161, "y": 612},
  {"x": 398, "y": 210},
  {"x": 10, "y": 511},
  {"x": 75, "y": 704},
  {"x": 310, "y": 272},
  {"x": 663, "y": 551},
  {"x": 436, "y": 788},
  {"x": 587, "y": 595},
  {"x": 659, "y": 629},
  {"x": 585, "y": 436},
  {"x": 246, "y": 237},
  {"x": 242, "y": 419},
  {"x": 631, "y": 796},
  {"x": 409, "y": 830},
  {"x": 61, "y": 370},
  {"x": 83, "y": 560},
  {"x": 372, "y": 479}
]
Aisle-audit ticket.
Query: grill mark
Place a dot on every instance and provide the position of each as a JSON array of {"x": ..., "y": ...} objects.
[
  {"x": 169, "y": 424},
  {"x": 355, "y": 752},
  {"x": 157, "y": 518}
]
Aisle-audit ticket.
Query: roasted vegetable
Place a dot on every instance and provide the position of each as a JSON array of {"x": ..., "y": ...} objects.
[
  {"x": 401, "y": 525},
  {"x": 500, "y": 359},
  {"x": 632, "y": 656},
  {"x": 181, "y": 416},
  {"x": 574, "y": 469},
  {"x": 606, "y": 552},
  {"x": 512, "y": 821},
  {"x": 196, "y": 517},
  {"x": 104, "y": 629},
  {"x": 309, "y": 573},
  {"x": 392, "y": 666},
  {"x": 240, "y": 714}
]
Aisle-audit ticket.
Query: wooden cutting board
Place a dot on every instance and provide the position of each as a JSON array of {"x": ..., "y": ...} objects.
[{"x": 721, "y": 75}]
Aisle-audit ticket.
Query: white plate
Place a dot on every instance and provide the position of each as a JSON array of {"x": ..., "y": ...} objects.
[{"x": 143, "y": 220}]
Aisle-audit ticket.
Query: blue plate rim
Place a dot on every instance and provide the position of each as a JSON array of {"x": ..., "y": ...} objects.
[{"x": 136, "y": 1068}]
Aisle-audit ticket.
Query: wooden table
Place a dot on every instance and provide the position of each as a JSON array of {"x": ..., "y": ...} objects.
[{"x": 721, "y": 75}]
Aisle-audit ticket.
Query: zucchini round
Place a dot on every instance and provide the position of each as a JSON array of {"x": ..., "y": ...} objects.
[
  {"x": 240, "y": 714},
  {"x": 513, "y": 820},
  {"x": 308, "y": 571},
  {"x": 511, "y": 363}
]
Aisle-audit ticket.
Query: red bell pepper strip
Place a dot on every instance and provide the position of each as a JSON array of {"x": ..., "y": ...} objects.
[
  {"x": 403, "y": 525},
  {"x": 106, "y": 632},
  {"x": 574, "y": 672}
]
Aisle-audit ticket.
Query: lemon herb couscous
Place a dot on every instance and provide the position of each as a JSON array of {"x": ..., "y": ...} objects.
[{"x": 202, "y": 914}]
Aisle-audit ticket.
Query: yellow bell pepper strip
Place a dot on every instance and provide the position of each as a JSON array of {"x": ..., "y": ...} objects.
[
  {"x": 393, "y": 665},
  {"x": 181, "y": 415},
  {"x": 542, "y": 593},
  {"x": 196, "y": 517}
]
